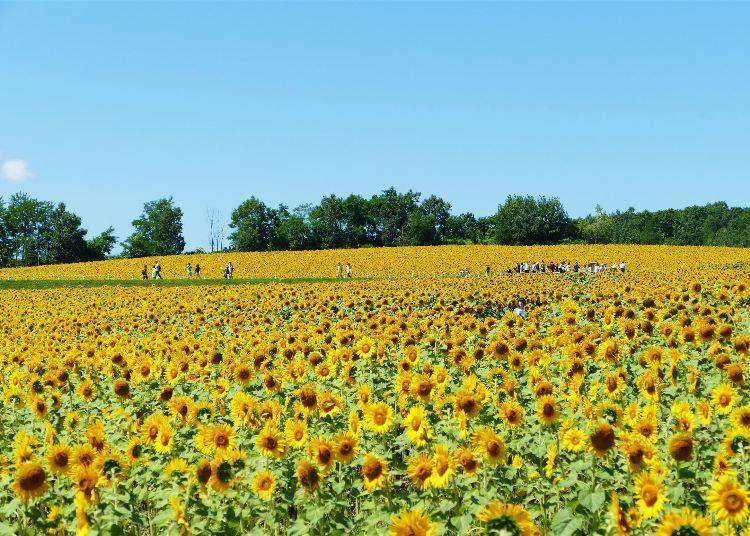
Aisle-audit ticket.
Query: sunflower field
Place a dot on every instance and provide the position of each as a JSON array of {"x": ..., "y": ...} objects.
[{"x": 410, "y": 403}]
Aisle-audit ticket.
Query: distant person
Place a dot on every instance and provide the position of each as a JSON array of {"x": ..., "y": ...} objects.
[
  {"x": 487, "y": 271},
  {"x": 520, "y": 309},
  {"x": 576, "y": 267},
  {"x": 189, "y": 270},
  {"x": 341, "y": 270},
  {"x": 623, "y": 267},
  {"x": 230, "y": 269},
  {"x": 348, "y": 270},
  {"x": 144, "y": 272},
  {"x": 197, "y": 270}
]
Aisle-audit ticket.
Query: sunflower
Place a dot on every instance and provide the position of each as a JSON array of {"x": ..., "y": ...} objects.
[
  {"x": 412, "y": 523},
  {"x": 547, "y": 410},
  {"x": 30, "y": 481},
  {"x": 602, "y": 439},
  {"x": 39, "y": 406},
  {"x": 243, "y": 374},
  {"x": 620, "y": 517},
  {"x": 122, "y": 388},
  {"x": 416, "y": 426},
  {"x": 329, "y": 404},
  {"x": 637, "y": 452},
  {"x": 365, "y": 347},
  {"x": 86, "y": 480},
  {"x": 95, "y": 435},
  {"x": 374, "y": 472},
  {"x": 512, "y": 413},
  {"x": 420, "y": 469},
  {"x": 59, "y": 458},
  {"x": 308, "y": 397},
  {"x": 269, "y": 441},
  {"x": 740, "y": 418},
  {"x": 321, "y": 450},
  {"x": 308, "y": 476},
  {"x": 649, "y": 495},
  {"x": 503, "y": 518},
  {"x": 182, "y": 406},
  {"x": 574, "y": 439},
  {"x": 264, "y": 483},
  {"x": 704, "y": 412},
  {"x": 152, "y": 426},
  {"x": 295, "y": 433},
  {"x": 165, "y": 442},
  {"x": 203, "y": 472},
  {"x": 443, "y": 463},
  {"x": 490, "y": 445},
  {"x": 467, "y": 460},
  {"x": 345, "y": 447},
  {"x": 84, "y": 455},
  {"x": 134, "y": 450},
  {"x": 222, "y": 438},
  {"x": 379, "y": 418},
  {"x": 646, "y": 428},
  {"x": 222, "y": 474},
  {"x": 723, "y": 397},
  {"x": 467, "y": 403},
  {"x": 685, "y": 521},
  {"x": 422, "y": 386},
  {"x": 727, "y": 500},
  {"x": 681, "y": 447},
  {"x": 86, "y": 391},
  {"x": 176, "y": 466}
]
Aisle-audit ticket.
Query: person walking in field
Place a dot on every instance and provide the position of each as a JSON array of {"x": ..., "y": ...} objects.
[
  {"x": 348, "y": 270},
  {"x": 197, "y": 270},
  {"x": 189, "y": 270},
  {"x": 144, "y": 272},
  {"x": 230, "y": 269},
  {"x": 341, "y": 270}
]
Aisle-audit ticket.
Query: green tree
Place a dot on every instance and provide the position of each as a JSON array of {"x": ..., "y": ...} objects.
[
  {"x": 525, "y": 220},
  {"x": 101, "y": 245},
  {"x": 254, "y": 226},
  {"x": 28, "y": 223},
  {"x": 6, "y": 246},
  {"x": 293, "y": 230},
  {"x": 390, "y": 212},
  {"x": 158, "y": 230},
  {"x": 65, "y": 237},
  {"x": 328, "y": 221}
]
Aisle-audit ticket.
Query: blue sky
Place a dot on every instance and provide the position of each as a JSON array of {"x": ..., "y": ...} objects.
[{"x": 106, "y": 106}]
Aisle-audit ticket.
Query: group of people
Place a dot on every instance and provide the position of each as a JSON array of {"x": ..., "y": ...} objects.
[
  {"x": 155, "y": 272},
  {"x": 193, "y": 271},
  {"x": 592, "y": 267},
  {"x": 345, "y": 271}
]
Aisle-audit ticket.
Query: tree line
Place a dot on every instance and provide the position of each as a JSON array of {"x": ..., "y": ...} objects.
[{"x": 40, "y": 232}]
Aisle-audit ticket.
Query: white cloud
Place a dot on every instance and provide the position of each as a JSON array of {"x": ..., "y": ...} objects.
[{"x": 16, "y": 170}]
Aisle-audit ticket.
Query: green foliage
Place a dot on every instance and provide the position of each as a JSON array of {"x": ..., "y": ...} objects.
[
  {"x": 158, "y": 231},
  {"x": 714, "y": 224},
  {"x": 39, "y": 232},
  {"x": 525, "y": 220},
  {"x": 101, "y": 245}
]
